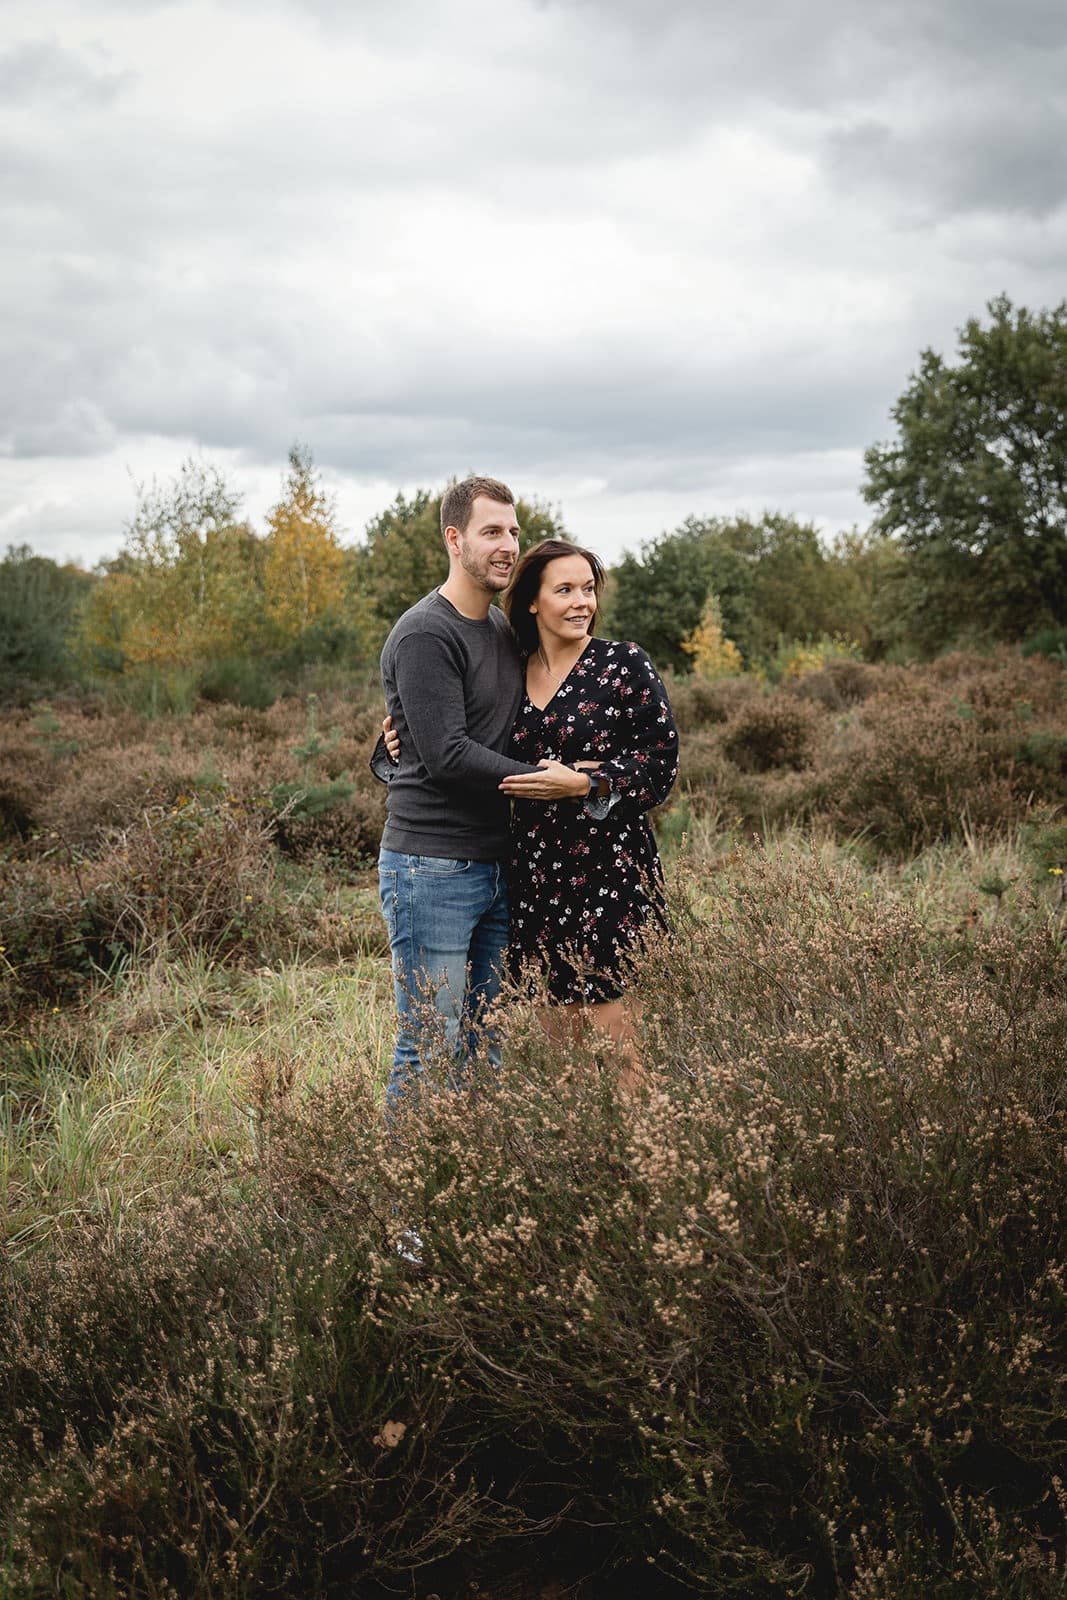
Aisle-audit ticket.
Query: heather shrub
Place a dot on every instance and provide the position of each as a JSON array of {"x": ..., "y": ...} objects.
[
  {"x": 912, "y": 772},
  {"x": 106, "y": 789},
  {"x": 771, "y": 732},
  {"x": 704, "y": 767},
  {"x": 1000, "y": 682},
  {"x": 331, "y": 822},
  {"x": 251, "y": 1438},
  {"x": 837, "y": 684},
  {"x": 936, "y": 753},
  {"x": 198, "y": 872},
  {"x": 698, "y": 702},
  {"x": 789, "y": 1321},
  {"x": 25, "y": 775},
  {"x": 48, "y": 947},
  {"x": 196, "y": 875},
  {"x": 1043, "y": 764}
]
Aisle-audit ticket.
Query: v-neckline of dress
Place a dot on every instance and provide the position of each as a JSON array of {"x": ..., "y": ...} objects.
[{"x": 562, "y": 683}]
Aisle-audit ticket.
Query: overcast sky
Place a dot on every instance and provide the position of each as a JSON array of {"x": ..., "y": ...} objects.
[{"x": 641, "y": 258}]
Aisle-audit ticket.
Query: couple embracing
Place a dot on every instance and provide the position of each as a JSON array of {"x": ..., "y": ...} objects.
[{"x": 528, "y": 752}]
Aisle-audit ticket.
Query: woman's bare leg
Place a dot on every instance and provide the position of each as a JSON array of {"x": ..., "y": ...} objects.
[
  {"x": 617, "y": 1019},
  {"x": 562, "y": 1023},
  {"x": 614, "y": 1020}
]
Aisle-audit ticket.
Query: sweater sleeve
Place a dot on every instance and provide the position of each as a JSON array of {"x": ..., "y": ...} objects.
[
  {"x": 644, "y": 775},
  {"x": 430, "y": 688}
]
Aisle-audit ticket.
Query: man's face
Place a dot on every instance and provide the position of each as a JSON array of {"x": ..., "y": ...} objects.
[{"x": 490, "y": 547}]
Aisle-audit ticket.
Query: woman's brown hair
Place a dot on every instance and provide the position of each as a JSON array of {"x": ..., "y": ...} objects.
[{"x": 525, "y": 586}]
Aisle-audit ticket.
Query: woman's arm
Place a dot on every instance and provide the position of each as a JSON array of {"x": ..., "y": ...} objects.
[
  {"x": 553, "y": 781},
  {"x": 644, "y": 775}
]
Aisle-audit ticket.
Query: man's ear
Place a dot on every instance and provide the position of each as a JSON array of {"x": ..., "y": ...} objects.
[{"x": 452, "y": 538}]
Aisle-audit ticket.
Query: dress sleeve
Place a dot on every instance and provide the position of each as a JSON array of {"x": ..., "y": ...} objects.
[{"x": 643, "y": 775}]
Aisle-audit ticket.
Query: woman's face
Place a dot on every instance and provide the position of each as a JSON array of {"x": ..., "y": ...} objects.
[{"x": 566, "y": 601}]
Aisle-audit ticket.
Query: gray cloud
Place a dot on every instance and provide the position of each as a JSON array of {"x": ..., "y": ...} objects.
[
  {"x": 38, "y": 72},
  {"x": 655, "y": 244},
  {"x": 999, "y": 158}
]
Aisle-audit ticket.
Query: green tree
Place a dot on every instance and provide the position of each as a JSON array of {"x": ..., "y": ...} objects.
[
  {"x": 39, "y": 605},
  {"x": 793, "y": 593},
  {"x": 187, "y": 586},
  {"x": 975, "y": 483},
  {"x": 772, "y": 577},
  {"x": 872, "y": 580},
  {"x": 658, "y": 596},
  {"x": 403, "y": 555}
]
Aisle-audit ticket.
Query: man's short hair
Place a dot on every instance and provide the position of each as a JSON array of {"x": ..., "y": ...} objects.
[{"x": 457, "y": 502}]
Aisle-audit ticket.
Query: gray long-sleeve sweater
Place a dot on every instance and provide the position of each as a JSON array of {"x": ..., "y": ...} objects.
[{"x": 452, "y": 687}]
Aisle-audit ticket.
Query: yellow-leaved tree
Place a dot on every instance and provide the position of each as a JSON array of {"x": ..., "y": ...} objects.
[
  {"x": 712, "y": 654},
  {"x": 304, "y": 565}
]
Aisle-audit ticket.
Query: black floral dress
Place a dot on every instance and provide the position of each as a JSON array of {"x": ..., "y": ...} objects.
[{"x": 585, "y": 878}]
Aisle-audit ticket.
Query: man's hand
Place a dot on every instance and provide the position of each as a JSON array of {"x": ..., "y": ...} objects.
[
  {"x": 553, "y": 782},
  {"x": 392, "y": 739}
]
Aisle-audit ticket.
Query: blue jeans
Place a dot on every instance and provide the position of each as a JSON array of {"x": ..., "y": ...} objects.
[{"x": 448, "y": 925}]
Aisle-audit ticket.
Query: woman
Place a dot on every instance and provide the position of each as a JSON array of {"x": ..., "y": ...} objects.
[{"x": 584, "y": 877}]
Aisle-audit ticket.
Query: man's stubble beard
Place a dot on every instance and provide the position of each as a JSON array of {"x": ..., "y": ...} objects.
[{"x": 492, "y": 583}]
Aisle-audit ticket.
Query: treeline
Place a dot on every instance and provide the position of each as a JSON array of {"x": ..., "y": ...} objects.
[
  {"x": 967, "y": 546},
  {"x": 199, "y": 605}
]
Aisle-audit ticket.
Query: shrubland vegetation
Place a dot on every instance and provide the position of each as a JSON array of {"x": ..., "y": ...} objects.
[
  {"x": 792, "y": 1318},
  {"x": 791, "y": 1321}
]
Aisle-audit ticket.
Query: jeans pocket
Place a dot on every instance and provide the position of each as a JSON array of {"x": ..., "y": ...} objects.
[{"x": 441, "y": 866}]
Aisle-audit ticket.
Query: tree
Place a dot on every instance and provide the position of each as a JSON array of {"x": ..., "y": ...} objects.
[
  {"x": 871, "y": 577},
  {"x": 303, "y": 574},
  {"x": 403, "y": 556},
  {"x": 658, "y": 596},
  {"x": 186, "y": 586},
  {"x": 975, "y": 484},
  {"x": 771, "y": 576},
  {"x": 712, "y": 655},
  {"x": 39, "y": 604}
]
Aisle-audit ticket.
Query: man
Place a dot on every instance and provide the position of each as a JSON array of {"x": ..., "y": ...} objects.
[{"x": 453, "y": 683}]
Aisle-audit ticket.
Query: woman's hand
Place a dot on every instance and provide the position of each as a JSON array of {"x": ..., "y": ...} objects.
[
  {"x": 553, "y": 782},
  {"x": 392, "y": 739}
]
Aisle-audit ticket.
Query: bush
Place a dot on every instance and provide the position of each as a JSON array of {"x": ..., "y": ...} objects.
[
  {"x": 837, "y": 685},
  {"x": 699, "y": 702},
  {"x": 911, "y": 774},
  {"x": 24, "y": 779},
  {"x": 790, "y": 1321},
  {"x": 1047, "y": 642},
  {"x": 771, "y": 732},
  {"x": 944, "y": 750},
  {"x": 333, "y": 823},
  {"x": 238, "y": 681},
  {"x": 48, "y": 949},
  {"x": 197, "y": 874}
]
